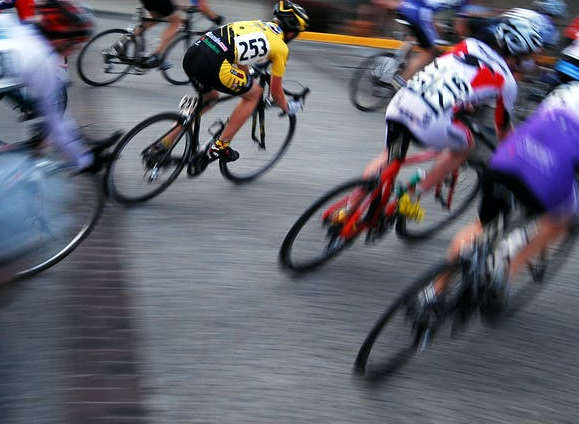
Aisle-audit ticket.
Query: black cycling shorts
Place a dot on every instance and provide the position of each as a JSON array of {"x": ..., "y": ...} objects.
[
  {"x": 215, "y": 72},
  {"x": 497, "y": 187},
  {"x": 163, "y": 8}
]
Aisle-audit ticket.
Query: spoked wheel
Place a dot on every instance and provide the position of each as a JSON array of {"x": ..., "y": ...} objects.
[
  {"x": 315, "y": 237},
  {"x": 273, "y": 135},
  {"x": 536, "y": 275},
  {"x": 172, "y": 68},
  {"x": 99, "y": 64},
  {"x": 463, "y": 189},
  {"x": 370, "y": 87},
  {"x": 399, "y": 335},
  {"x": 133, "y": 176},
  {"x": 61, "y": 211}
]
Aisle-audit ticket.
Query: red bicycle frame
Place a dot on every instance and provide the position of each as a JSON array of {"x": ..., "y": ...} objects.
[{"x": 360, "y": 202}]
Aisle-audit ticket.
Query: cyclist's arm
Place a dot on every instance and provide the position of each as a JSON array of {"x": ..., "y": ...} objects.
[{"x": 276, "y": 89}]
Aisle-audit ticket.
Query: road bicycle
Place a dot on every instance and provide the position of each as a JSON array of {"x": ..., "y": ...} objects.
[
  {"x": 131, "y": 177},
  {"x": 399, "y": 335},
  {"x": 374, "y": 206},
  {"x": 100, "y": 64},
  {"x": 57, "y": 207},
  {"x": 371, "y": 86}
]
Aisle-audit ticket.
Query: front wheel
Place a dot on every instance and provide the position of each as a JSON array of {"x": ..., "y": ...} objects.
[
  {"x": 133, "y": 176},
  {"x": 315, "y": 237},
  {"x": 100, "y": 64},
  {"x": 370, "y": 86},
  {"x": 443, "y": 204},
  {"x": 266, "y": 138},
  {"x": 172, "y": 67}
]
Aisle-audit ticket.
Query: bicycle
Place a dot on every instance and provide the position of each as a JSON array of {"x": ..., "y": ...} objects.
[
  {"x": 100, "y": 56},
  {"x": 59, "y": 207},
  {"x": 271, "y": 135},
  {"x": 374, "y": 206},
  {"x": 467, "y": 293},
  {"x": 371, "y": 86}
]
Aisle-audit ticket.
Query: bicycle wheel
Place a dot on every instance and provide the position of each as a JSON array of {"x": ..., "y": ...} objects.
[
  {"x": 384, "y": 354},
  {"x": 274, "y": 134},
  {"x": 369, "y": 87},
  {"x": 438, "y": 216},
  {"x": 61, "y": 211},
  {"x": 312, "y": 241},
  {"x": 99, "y": 64},
  {"x": 172, "y": 68},
  {"x": 128, "y": 178}
]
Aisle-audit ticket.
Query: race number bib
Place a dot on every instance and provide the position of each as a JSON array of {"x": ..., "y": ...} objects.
[
  {"x": 440, "y": 86},
  {"x": 251, "y": 48}
]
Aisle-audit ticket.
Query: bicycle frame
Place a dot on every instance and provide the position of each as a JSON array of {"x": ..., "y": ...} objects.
[{"x": 369, "y": 210}]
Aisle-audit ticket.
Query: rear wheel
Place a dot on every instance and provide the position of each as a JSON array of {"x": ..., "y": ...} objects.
[
  {"x": 61, "y": 211},
  {"x": 537, "y": 274},
  {"x": 99, "y": 64},
  {"x": 370, "y": 87},
  {"x": 132, "y": 177},
  {"x": 315, "y": 237}
]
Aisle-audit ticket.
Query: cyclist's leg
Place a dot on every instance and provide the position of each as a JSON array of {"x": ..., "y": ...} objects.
[
  {"x": 162, "y": 9},
  {"x": 237, "y": 81},
  {"x": 422, "y": 21}
]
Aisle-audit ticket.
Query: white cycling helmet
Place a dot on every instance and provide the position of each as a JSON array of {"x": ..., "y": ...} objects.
[
  {"x": 551, "y": 7},
  {"x": 518, "y": 37}
]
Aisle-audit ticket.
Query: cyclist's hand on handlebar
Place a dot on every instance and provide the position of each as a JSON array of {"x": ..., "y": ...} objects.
[{"x": 293, "y": 106}]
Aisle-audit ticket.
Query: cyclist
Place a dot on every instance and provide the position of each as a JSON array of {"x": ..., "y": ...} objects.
[
  {"x": 24, "y": 8},
  {"x": 466, "y": 77},
  {"x": 164, "y": 9},
  {"x": 536, "y": 164},
  {"x": 32, "y": 52},
  {"x": 420, "y": 15},
  {"x": 221, "y": 61}
]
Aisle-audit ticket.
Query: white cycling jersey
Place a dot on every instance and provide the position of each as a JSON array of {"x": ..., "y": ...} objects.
[
  {"x": 26, "y": 58},
  {"x": 469, "y": 74}
]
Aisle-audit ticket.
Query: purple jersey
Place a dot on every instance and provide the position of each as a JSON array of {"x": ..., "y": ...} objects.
[{"x": 544, "y": 153}]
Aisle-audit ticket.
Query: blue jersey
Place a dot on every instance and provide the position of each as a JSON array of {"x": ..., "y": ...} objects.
[
  {"x": 544, "y": 150},
  {"x": 436, "y": 5}
]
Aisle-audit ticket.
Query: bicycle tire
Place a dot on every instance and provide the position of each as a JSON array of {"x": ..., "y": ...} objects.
[
  {"x": 330, "y": 243},
  {"x": 172, "y": 68},
  {"x": 367, "y": 92},
  {"x": 83, "y": 200},
  {"x": 438, "y": 217},
  {"x": 123, "y": 184},
  {"x": 93, "y": 56},
  {"x": 255, "y": 159},
  {"x": 399, "y": 356}
]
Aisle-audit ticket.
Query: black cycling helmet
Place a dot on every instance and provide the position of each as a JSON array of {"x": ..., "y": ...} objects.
[{"x": 291, "y": 16}]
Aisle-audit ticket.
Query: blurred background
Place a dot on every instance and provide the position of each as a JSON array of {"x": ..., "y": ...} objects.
[{"x": 176, "y": 311}]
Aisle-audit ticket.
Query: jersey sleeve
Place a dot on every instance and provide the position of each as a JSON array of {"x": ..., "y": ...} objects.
[{"x": 279, "y": 55}]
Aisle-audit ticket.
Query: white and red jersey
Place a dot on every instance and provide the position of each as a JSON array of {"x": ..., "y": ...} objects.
[{"x": 469, "y": 74}]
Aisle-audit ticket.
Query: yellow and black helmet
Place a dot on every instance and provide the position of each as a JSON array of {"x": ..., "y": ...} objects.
[{"x": 291, "y": 16}]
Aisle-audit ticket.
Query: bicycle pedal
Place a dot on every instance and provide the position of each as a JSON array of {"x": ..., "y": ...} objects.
[{"x": 164, "y": 66}]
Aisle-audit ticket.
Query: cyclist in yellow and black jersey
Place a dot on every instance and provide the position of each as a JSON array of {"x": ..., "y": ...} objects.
[{"x": 221, "y": 60}]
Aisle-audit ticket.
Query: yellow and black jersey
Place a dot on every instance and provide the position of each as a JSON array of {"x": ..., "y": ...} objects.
[{"x": 246, "y": 43}]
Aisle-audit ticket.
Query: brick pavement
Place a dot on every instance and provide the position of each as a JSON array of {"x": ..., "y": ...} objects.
[{"x": 103, "y": 383}]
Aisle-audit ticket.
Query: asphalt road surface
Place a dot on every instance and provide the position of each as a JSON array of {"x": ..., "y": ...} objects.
[{"x": 185, "y": 295}]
